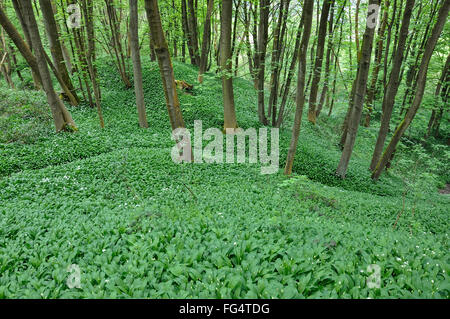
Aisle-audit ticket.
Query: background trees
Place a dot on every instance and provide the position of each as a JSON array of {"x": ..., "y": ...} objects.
[{"x": 261, "y": 41}]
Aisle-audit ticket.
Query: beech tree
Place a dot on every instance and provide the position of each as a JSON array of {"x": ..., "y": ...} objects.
[
  {"x": 277, "y": 59},
  {"x": 165, "y": 64},
  {"x": 393, "y": 84},
  {"x": 264, "y": 7},
  {"x": 378, "y": 56},
  {"x": 300, "y": 99},
  {"x": 206, "y": 43},
  {"x": 318, "y": 62},
  {"x": 55, "y": 45},
  {"x": 442, "y": 93},
  {"x": 137, "y": 68},
  {"x": 230, "y": 121},
  {"x": 420, "y": 89},
  {"x": 360, "y": 92},
  {"x": 61, "y": 116}
]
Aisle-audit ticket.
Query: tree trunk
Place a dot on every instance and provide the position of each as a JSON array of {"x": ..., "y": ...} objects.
[
  {"x": 393, "y": 84},
  {"x": 90, "y": 57},
  {"x": 290, "y": 74},
  {"x": 262, "y": 46},
  {"x": 324, "y": 93},
  {"x": 300, "y": 99},
  {"x": 360, "y": 92},
  {"x": 186, "y": 31},
  {"x": 114, "y": 23},
  {"x": 226, "y": 67},
  {"x": 20, "y": 15},
  {"x": 137, "y": 68},
  {"x": 23, "y": 47},
  {"x": 436, "y": 114},
  {"x": 55, "y": 45},
  {"x": 278, "y": 45},
  {"x": 318, "y": 62},
  {"x": 421, "y": 82},
  {"x": 165, "y": 64},
  {"x": 378, "y": 55},
  {"x": 61, "y": 116},
  {"x": 206, "y": 44},
  {"x": 193, "y": 33}
]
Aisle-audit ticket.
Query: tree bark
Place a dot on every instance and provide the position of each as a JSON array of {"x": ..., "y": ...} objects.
[
  {"x": 287, "y": 85},
  {"x": 436, "y": 114},
  {"x": 19, "y": 12},
  {"x": 165, "y": 64},
  {"x": 360, "y": 92},
  {"x": 278, "y": 44},
  {"x": 262, "y": 46},
  {"x": 61, "y": 116},
  {"x": 193, "y": 33},
  {"x": 230, "y": 121},
  {"x": 206, "y": 44},
  {"x": 324, "y": 93},
  {"x": 318, "y": 62},
  {"x": 378, "y": 55},
  {"x": 421, "y": 82},
  {"x": 393, "y": 84},
  {"x": 55, "y": 45},
  {"x": 137, "y": 68},
  {"x": 300, "y": 99}
]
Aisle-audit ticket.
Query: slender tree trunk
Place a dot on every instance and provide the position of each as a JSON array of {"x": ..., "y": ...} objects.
[
  {"x": 300, "y": 100},
  {"x": 186, "y": 31},
  {"x": 165, "y": 64},
  {"x": 421, "y": 82},
  {"x": 318, "y": 62},
  {"x": 137, "y": 68},
  {"x": 235, "y": 24},
  {"x": 90, "y": 57},
  {"x": 393, "y": 20},
  {"x": 226, "y": 67},
  {"x": 247, "y": 19},
  {"x": 411, "y": 81},
  {"x": 393, "y": 84},
  {"x": 324, "y": 93},
  {"x": 55, "y": 45},
  {"x": 436, "y": 114},
  {"x": 193, "y": 33},
  {"x": 360, "y": 92},
  {"x": 290, "y": 74},
  {"x": 358, "y": 2},
  {"x": 206, "y": 44},
  {"x": 336, "y": 66},
  {"x": 262, "y": 46},
  {"x": 5, "y": 59},
  {"x": 20, "y": 15},
  {"x": 21, "y": 45},
  {"x": 114, "y": 23},
  {"x": 277, "y": 60},
  {"x": 378, "y": 55},
  {"x": 61, "y": 116}
]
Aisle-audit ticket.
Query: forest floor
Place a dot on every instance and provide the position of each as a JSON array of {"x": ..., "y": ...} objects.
[{"x": 136, "y": 225}]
